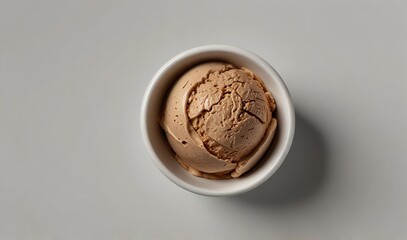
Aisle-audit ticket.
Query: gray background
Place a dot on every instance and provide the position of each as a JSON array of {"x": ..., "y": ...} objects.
[{"x": 72, "y": 161}]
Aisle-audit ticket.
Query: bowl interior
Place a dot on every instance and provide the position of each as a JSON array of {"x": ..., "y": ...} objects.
[{"x": 164, "y": 155}]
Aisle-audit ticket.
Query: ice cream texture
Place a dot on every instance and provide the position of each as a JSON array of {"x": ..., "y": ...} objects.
[{"x": 218, "y": 119}]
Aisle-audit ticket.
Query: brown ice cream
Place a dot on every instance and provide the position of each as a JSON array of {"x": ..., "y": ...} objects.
[{"x": 218, "y": 120}]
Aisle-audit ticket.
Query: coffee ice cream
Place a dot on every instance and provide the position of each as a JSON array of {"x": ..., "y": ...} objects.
[{"x": 218, "y": 119}]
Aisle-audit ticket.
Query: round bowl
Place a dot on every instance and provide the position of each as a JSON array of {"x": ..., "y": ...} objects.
[{"x": 159, "y": 148}]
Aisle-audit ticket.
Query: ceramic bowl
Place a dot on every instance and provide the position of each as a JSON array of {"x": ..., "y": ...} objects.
[{"x": 159, "y": 148}]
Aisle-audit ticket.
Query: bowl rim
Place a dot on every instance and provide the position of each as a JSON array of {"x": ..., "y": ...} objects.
[{"x": 148, "y": 94}]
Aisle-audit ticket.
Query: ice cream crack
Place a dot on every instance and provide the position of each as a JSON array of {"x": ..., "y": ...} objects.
[{"x": 230, "y": 111}]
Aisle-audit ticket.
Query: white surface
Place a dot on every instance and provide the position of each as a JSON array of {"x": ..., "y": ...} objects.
[
  {"x": 271, "y": 156},
  {"x": 72, "y": 162}
]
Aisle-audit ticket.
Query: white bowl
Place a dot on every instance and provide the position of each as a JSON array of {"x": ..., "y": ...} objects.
[{"x": 163, "y": 155}]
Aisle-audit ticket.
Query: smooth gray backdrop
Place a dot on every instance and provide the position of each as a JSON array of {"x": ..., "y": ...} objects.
[{"x": 72, "y": 161}]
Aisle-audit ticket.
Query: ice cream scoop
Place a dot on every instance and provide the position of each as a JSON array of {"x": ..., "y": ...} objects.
[{"x": 218, "y": 119}]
